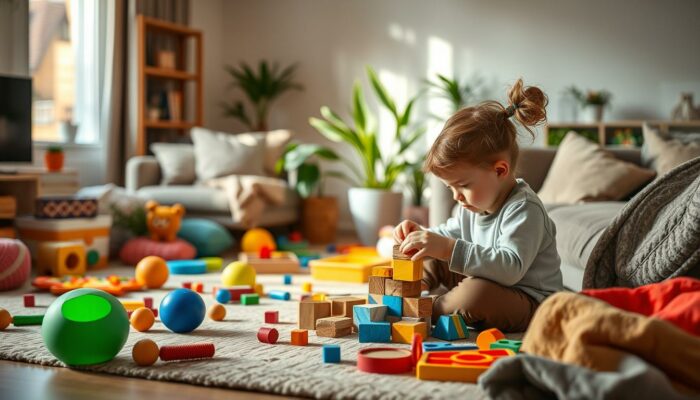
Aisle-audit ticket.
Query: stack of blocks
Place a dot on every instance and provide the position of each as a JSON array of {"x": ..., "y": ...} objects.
[
  {"x": 330, "y": 318},
  {"x": 396, "y": 311}
]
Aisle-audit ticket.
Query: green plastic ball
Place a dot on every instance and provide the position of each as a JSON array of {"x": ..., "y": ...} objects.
[{"x": 85, "y": 327}]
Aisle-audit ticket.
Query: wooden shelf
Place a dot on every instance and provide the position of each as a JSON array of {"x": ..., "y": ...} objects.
[
  {"x": 169, "y": 124},
  {"x": 169, "y": 73},
  {"x": 602, "y": 132},
  {"x": 168, "y": 27}
]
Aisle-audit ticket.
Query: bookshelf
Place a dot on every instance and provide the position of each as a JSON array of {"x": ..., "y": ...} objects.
[
  {"x": 165, "y": 82},
  {"x": 614, "y": 133}
]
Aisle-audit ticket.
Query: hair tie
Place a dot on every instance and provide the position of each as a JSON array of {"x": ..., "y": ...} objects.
[{"x": 510, "y": 111}]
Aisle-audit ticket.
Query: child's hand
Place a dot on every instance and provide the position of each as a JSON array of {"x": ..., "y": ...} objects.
[
  {"x": 403, "y": 229},
  {"x": 428, "y": 244}
]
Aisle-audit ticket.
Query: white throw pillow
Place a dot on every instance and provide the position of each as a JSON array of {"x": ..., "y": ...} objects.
[
  {"x": 176, "y": 161},
  {"x": 220, "y": 154},
  {"x": 665, "y": 152}
]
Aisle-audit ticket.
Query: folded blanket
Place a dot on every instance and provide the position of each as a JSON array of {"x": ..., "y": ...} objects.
[
  {"x": 532, "y": 377},
  {"x": 249, "y": 195},
  {"x": 584, "y": 331},
  {"x": 675, "y": 300}
]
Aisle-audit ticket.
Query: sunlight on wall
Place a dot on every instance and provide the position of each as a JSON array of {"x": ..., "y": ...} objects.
[
  {"x": 401, "y": 34},
  {"x": 397, "y": 87},
  {"x": 440, "y": 61}
]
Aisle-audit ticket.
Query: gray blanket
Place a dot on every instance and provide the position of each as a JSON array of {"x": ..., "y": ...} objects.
[
  {"x": 656, "y": 236},
  {"x": 531, "y": 377}
]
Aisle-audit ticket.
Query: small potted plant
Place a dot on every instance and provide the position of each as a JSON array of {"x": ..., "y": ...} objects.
[
  {"x": 53, "y": 159},
  {"x": 593, "y": 100},
  {"x": 416, "y": 182},
  {"x": 319, "y": 213}
]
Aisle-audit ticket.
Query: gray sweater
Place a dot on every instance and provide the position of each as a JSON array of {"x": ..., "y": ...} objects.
[{"x": 514, "y": 247}]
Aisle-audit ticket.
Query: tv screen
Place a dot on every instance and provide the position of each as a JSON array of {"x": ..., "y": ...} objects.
[{"x": 15, "y": 119}]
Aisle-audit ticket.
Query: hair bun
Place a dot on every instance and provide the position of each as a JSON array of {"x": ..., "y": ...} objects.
[{"x": 528, "y": 104}]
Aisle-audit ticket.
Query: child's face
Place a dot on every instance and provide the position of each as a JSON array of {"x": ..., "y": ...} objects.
[{"x": 476, "y": 188}]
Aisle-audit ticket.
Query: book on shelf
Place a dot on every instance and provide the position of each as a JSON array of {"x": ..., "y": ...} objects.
[
  {"x": 175, "y": 105},
  {"x": 8, "y": 207}
]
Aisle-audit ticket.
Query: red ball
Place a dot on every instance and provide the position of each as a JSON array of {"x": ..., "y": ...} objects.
[
  {"x": 15, "y": 264},
  {"x": 268, "y": 335}
]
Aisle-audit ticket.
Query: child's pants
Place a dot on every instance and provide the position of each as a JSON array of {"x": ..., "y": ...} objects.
[{"x": 483, "y": 303}]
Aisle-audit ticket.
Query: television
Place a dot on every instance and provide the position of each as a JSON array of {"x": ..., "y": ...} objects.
[{"x": 15, "y": 119}]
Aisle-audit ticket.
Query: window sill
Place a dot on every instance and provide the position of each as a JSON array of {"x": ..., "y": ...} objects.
[{"x": 66, "y": 146}]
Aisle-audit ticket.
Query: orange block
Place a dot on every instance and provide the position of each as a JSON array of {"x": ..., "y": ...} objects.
[
  {"x": 383, "y": 271},
  {"x": 485, "y": 338},
  {"x": 300, "y": 337},
  {"x": 402, "y": 331},
  {"x": 460, "y": 366}
]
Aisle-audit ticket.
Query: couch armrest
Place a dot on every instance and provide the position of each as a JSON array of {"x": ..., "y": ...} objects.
[
  {"x": 142, "y": 171},
  {"x": 533, "y": 165}
]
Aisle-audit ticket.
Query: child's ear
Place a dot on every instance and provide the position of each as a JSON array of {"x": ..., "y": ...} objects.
[{"x": 502, "y": 168}]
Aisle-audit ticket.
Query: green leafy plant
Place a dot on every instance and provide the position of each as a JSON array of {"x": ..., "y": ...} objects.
[
  {"x": 54, "y": 149},
  {"x": 380, "y": 168},
  {"x": 450, "y": 89},
  {"x": 133, "y": 220},
  {"x": 261, "y": 88},
  {"x": 300, "y": 158},
  {"x": 591, "y": 97},
  {"x": 416, "y": 182}
]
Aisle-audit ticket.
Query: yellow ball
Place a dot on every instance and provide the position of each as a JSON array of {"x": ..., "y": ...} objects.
[
  {"x": 145, "y": 352},
  {"x": 5, "y": 318},
  {"x": 142, "y": 319},
  {"x": 152, "y": 271},
  {"x": 217, "y": 312},
  {"x": 254, "y": 239},
  {"x": 238, "y": 273}
]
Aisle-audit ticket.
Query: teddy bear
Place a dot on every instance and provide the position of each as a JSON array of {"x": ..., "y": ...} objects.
[{"x": 163, "y": 221}]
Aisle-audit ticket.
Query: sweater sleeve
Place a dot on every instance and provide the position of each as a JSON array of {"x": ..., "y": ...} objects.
[
  {"x": 451, "y": 228},
  {"x": 522, "y": 231}
]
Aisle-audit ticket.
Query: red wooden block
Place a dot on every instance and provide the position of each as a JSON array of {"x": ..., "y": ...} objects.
[
  {"x": 148, "y": 302},
  {"x": 198, "y": 287},
  {"x": 272, "y": 317},
  {"x": 187, "y": 285},
  {"x": 187, "y": 351},
  {"x": 268, "y": 335},
  {"x": 265, "y": 252},
  {"x": 236, "y": 291},
  {"x": 29, "y": 300}
]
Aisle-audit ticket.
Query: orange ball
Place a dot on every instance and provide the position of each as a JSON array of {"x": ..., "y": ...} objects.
[
  {"x": 145, "y": 352},
  {"x": 217, "y": 312},
  {"x": 255, "y": 239},
  {"x": 5, "y": 319},
  {"x": 142, "y": 319},
  {"x": 152, "y": 271}
]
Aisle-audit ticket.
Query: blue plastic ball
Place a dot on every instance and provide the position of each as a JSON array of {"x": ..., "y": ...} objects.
[
  {"x": 182, "y": 310},
  {"x": 223, "y": 296}
]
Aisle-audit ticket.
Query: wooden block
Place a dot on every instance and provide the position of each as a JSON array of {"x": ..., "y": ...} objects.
[
  {"x": 402, "y": 331},
  {"x": 29, "y": 300},
  {"x": 61, "y": 258},
  {"x": 417, "y": 307},
  {"x": 376, "y": 284},
  {"x": 394, "y": 305},
  {"x": 398, "y": 255},
  {"x": 300, "y": 337},
  {"x": 383, "y": 271},
  {"x": 451, "y": 327},
  {"x": 198, "y": 287},
  {"x": 427, "y": 320},
  {"x": 331, "y": 353},
  {"x": 342, "y": 306},
  {"x": 407, "y": 270},
  {"x": 333, "y": 327},
  {"x": 368, "y": 313},
  {"x": 311, "y": 310},
  {"x": 249, "y": 299},
  {"x": 401, "y": 288},
  {"x": 279, "y": 262},
  {"x": 487, "y": 337},
  {"x": 375, "y": 332},
  {"x": 375, "y": 298},
  {"x": 272, "y": 317}
]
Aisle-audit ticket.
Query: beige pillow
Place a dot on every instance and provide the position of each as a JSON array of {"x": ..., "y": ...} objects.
[
  {"x": 220, "y": 154},
  {"x": 666, "y": 153},
  {"x": 176, "y": 162},
  {"x": 275, "y": 143},
  {"x": 583, "y": 171}
]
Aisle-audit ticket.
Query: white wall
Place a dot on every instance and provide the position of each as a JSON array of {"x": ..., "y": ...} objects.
[{"x": 644, "y": 52}]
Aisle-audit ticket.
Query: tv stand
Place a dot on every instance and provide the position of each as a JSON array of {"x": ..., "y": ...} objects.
[{"x": 8, "y": 171}]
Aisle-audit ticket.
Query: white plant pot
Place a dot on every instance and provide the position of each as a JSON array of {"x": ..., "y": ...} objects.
[{"x": 371, "y": 209}]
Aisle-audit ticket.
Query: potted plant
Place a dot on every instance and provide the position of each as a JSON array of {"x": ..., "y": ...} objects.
[
  {"x": 416, "y": 184},
  {"x": 261, "y": 89},
  {"x": 53, "y": 159},
  {"x": 319, "y": 213},
  {"x": 456, "y": 93},
  {"x": 373, "y": 204},
  {"x": 594, "y": 101}
]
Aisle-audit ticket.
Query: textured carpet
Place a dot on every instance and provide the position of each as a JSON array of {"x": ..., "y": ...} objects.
[{"x": 241, "y": 362}]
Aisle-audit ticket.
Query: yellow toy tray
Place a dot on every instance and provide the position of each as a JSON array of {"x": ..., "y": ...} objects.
[{"x": 353, "y": 267}]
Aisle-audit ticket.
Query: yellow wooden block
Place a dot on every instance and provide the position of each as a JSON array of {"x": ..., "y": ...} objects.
[
  {"x": 460, "y": 366},
  {"x": 407, "y": 270},
  {"x": 259, "y": 289},
  {"x": 402, "y": 331},
  {"x": 319, "y": 296},
  {"x": 345, "y": 267},
  {"x": 383, "y": 271},
  {"x": 131, "y": 305},
  {"x": 61, "y": 258},
  {"x": 306, "y": 287}
]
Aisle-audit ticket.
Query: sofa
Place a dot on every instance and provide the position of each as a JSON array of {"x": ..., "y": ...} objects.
[
  {"x": 143, "y": 178},
  {"x": 578, "y": 225}
]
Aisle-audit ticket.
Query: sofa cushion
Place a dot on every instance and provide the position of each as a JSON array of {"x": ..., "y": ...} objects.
[
  {"x": 220, "y": 154},
  {"x": 583, "y": 171},
  {"x": 176, "y": 161},
  {"x": 208, "y": 237},
  {"x": 665, "y": 152},
  {"x": 579, "y": 227}
]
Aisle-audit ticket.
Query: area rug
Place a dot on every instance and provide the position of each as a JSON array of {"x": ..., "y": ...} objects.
[{"x": 241, "y": 362}]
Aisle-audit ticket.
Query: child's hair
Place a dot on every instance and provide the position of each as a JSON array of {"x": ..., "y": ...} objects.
[{"x": 476, "y": 135}]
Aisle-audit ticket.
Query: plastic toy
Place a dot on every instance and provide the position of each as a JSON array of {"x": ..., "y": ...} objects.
[
  {"x": 265, "y": 252},
  {"x": 416, "y": 348},
  {"x": 61, "y": 258},
  {"x": 306, "y": 287},
  {"x": 217, "y": 312},
  {"x": 134, "y": 250},
  {"x": 145, "y": 352},
  {"x": 268, "y": 335},
  {"x": 223, "y": 296},
  {"x": 5, "y": 319},
  {"x": 287, "y": 279},
  {"x": 213, "y": 263},
  {"x": 300, "y": 337},
  {"x": 272, "y": 317},
  {"x": 198, "y": 287},
  {"x": 279, "y": 295},
  {"x": 488, "y": 336},
  {"x": 364, "y": 313},
  {"x": 436, "y": 346},
  {"x": 142, "y": 319},
  {"x": 152, "y": 272},
  {"x": 187, "y": 285},
  {"x": 306, "y": 256},
  {"x": 461, "y": 366},
  {"x": 346, "y": 268},
  {"x": 451, "y": 327},
  {"x": 15, "y": 264},
  {"x": 85, "y": 327},
  {"x": 163, "y": 221},
  {"x": 238, "y": 273},
  {"x": 182, "y": 310},
  {"x": 187, "y": 267},
  {"x": 374, "y": 332},
  {"x": 132, "y": 305},
  {"x": 331, "y": 353},
  {"x": 513, "y": 345},
  {"x": 29, "y": 300},
  {"x": 279, "y": 262},
  {"x": 236, "y": 291},
  {"x": 250, "y": 299},
  {"x": 385, "y": 244},
  {"x": 254, "y": 239},
  {"x": 114, "y": 285},
  {"x": 384, "y": 360},
  {"x": 292, "y": 242},
  {"x": 25, "y": 320},
  {"x": 403, "y": 331},
  {"x": 148, "y": 302}
]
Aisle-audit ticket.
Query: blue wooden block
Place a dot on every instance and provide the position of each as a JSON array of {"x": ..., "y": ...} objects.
[
  {"x": 375, "y": 299},
  {"x": 287, "y": 279},
  {"x": 331, "y": 353},
  {"x": 450, "y": 327},
  {"x": 375, "y": 332},
  {"x": 436, "y": 346},
  {"x": 394, "y": 305},
  {"x": 364, "y": 313}
]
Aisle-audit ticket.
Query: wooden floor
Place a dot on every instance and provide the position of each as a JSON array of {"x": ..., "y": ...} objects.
[{"x": 30, "y": 382}]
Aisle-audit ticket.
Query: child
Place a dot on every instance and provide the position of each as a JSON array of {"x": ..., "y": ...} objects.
[{"x": 498, "y": 258}]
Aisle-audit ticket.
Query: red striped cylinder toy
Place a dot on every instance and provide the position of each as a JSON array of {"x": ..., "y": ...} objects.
[
  {"x": 268, "y": 335},
  {"x": 187, "y": 351}
]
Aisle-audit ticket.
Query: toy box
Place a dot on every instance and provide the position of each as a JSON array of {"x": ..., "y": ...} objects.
[
  {"x": 93, "y": 232},
  {"x": 279, "y": 262},
  {"x": 352, "y": 267}
]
